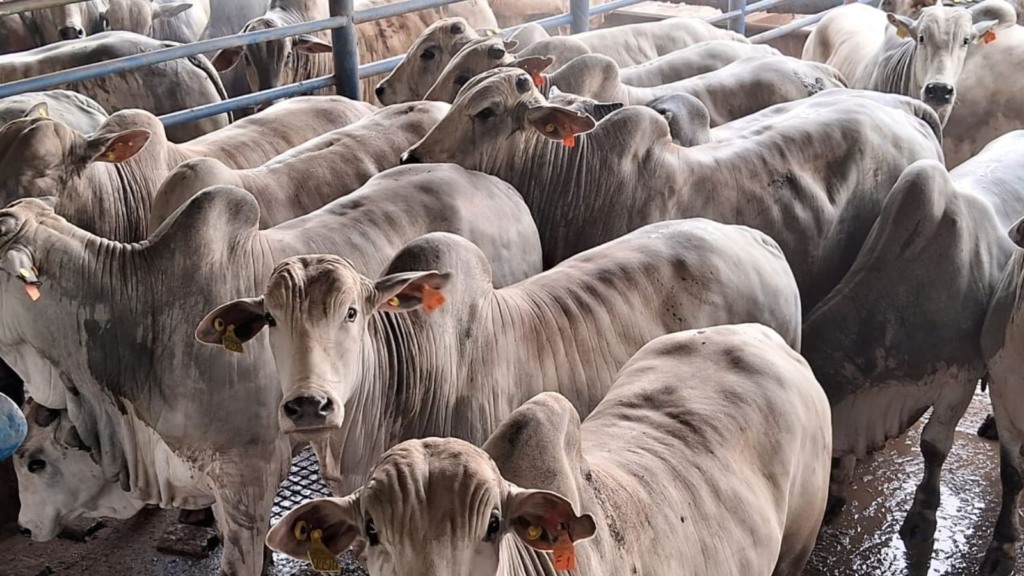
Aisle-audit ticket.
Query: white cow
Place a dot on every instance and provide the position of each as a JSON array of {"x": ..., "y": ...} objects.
[{"x": 709, "y": 456}]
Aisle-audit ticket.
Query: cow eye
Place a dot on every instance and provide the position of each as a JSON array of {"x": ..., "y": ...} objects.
[
  {"x": 371, "y": 532},
  {"x": 36, "y": 465},
  {"x": 493, "y": 525},
  {"x": 427, "y": 55},
  {"x": 485, "y": 114},
  {"x": 351, "y": 316},
  {"x": 462, "y": 79},
  {"x": 920, "y": 39},
  {"x": 967, "y": 41}
]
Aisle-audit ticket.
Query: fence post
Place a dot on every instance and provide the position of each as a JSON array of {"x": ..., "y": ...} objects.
[
  {"x": 580, "y": 11},
  {"x": 346, "y": 53},
  {"x": 739, "y": 23}
]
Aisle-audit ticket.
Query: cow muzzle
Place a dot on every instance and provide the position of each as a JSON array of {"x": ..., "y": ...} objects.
[
  {"x": 938, "y": 93},
  {"x": 309, "y": 412},
  {"x": 70, "y": 33}
]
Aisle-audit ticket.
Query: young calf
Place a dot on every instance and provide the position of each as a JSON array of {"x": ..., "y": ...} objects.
[{"x": 708, "y": 456}]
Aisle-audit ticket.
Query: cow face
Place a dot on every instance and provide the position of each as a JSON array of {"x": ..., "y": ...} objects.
[
  {"x": 42, "y": 157},
  {"x": 941, "y": 37},
  {"x": 496, "y": 118},
  {"x": 68, "y": 22},
  {"x": 138, "y": 15},
  {"x": 477, "y": 57},
  {"x": 58, "y": 480},
  {"x": 318, "y": 309},
  {"x": 424, "y": 61},
  {"x": 435, "y": 506},
  {"x": 272, "y": 63}
]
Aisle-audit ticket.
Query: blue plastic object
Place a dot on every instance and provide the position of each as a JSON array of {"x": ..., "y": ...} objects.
[{"x": 13, "y": 427}]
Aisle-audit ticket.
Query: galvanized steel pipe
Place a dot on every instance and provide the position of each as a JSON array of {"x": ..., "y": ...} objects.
[
  {"x": 345, "y": 51},
  {"x": 579, "y": 11},
  {"x": 19, "y": 6}
]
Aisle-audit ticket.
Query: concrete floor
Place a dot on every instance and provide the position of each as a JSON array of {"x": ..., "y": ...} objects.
[{"x": 862, "y": 542}]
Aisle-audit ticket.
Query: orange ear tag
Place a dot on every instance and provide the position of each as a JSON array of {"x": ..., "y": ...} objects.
[
  {"x": 565, "y": 553},
  {"x": 989, "y": 37},
  {"x": 569, "y": 140},
  {"x": 33, "y": 291},
  {"x": 538, "y": 79},
  {"x": 432, "y": 299}
]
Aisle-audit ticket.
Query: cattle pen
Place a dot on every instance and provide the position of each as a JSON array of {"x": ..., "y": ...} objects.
[{"x": 347, "y": 70}]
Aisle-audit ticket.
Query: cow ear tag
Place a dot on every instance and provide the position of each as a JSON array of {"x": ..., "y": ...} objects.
[
  {"x": 533, "y": 533},
  {"x": 538, "y": 79},
  {"x": 988, "y": 37},
  {"x": 902, "y": 33},
  {"x": 230, "y": 341},
  {"x": 319, "y": 556},
  {"x": 394, "y": 301},
  {"x": 31, "y": 282},
  {"x": 565, "y": 553}
]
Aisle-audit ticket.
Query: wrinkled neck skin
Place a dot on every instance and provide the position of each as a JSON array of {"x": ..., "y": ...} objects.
[
  {"x": 402, "y": 388},
  {"x": 895, "y": 71},
  {"x": 113, "y": 201}
]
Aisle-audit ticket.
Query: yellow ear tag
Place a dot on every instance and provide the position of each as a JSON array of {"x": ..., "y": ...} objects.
[
  {"x": 42, "y": 112},
  {"x": 319, "y": 556},
  {"x": 902, "y": 32},
  {"x": 549, "y": 128},
  {"x": 230, "y": 341},
  {"x": 394, "y": 301},
  {"x": 533, "y": 533},
  {"x": 565, "y": 553},
  {"x": 989, "y": 37},
  {"x": 109, "y": 156}
]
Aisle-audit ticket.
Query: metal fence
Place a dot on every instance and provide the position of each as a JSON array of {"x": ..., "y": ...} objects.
[{"x": 347, "y": 71}]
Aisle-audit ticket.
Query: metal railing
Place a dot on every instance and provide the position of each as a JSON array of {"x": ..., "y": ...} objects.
[{"x": 347, "y": 71}]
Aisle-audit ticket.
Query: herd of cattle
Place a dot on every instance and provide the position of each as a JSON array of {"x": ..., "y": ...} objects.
[{"x": 632, "y": 301}]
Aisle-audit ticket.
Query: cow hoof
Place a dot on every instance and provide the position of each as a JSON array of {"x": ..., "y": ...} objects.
[
  {"x": 834, "y": 507},
  {"x": 988, "y": 430},
  {"x": 918, "y": 527},
  {"x": 998, "y": 562},
  {"x": 202, "y": 517}
]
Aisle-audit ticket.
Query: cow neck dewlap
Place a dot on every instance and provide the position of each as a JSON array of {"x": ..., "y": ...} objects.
[{"x": 400, "y": 370}]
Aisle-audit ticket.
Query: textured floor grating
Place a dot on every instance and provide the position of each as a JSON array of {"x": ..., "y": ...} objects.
[{"x": 303, "y": 484}]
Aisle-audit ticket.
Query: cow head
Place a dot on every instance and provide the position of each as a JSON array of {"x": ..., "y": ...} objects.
[
  {"x": 272, "y": 63},
  {"x": 477, "y": 57},
  {"x": 425, "y": 60},
  {"x": 138, "y": 15},
  {"x": 434, "y": 506},
  {"x": 40, "y": 156},
  {"x": 68, "y": 22},
  {"x": 939, "y": 39},
  {"x": 58, "y": 480},
  {"x": 318, "y": 309},
  {"x": 498, "y": 114}
]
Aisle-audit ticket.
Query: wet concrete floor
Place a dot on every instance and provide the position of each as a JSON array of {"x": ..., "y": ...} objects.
[{"x": 862, "y": 542}]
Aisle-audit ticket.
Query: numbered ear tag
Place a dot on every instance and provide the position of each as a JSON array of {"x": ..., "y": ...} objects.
[
  {"x": 319, "y": 556},
  {"x": 230, "y": 341},
  {"x": 565, "y": 553}
]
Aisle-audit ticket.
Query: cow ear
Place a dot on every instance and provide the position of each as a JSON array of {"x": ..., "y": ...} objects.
[
  {"x": 337, "y": 519},
  {"x": 116, "y": 148},
  {"x": 534, "y": 66},
  {"x": 410, "y": 290},
  {"x": 311, "y": 45},
  {"x": 226, "y": 59},
  {"x": 904, "y": 25},
  {"x": 541, "y": 519},
  {"x": 560, "y": 124},
  {"x": 1017, "y": 233},
  {"x": 234, "y": 323},
  {"x": 985, "y": 31},
  {"x": 38, "y": 110},
  {"x": 511, "y": 45},
  {"x": 169, "y": 10},
  {"x": 72, "y": 440}
]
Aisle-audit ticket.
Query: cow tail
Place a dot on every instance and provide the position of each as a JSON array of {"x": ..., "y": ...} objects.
[{"x": 204, "y": 64}]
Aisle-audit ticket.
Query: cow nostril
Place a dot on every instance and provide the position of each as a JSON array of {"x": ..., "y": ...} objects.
[
  {"x": 409, "y": 158},
  {"x": 326, "y": 407},
  {"x": 24, "y": 532},
  {"x": 379, "y": 90},
  {"x": 291, "y": 410}
]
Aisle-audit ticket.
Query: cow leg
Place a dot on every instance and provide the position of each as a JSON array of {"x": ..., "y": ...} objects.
[
  {"x": 936, "y": 441},
  {"x": 1001, "y": 556},
  {"x": 839, "y": 485},
  {"x": 243, "y": 519}
]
